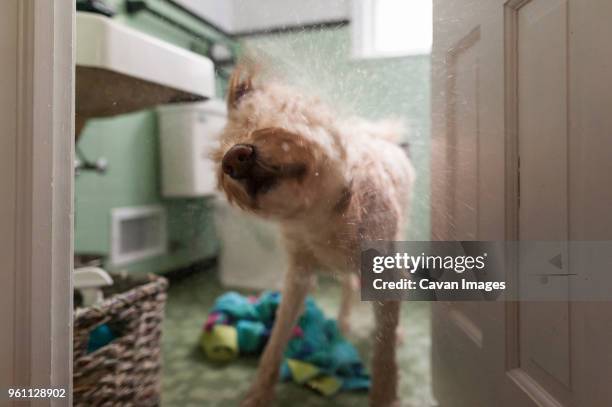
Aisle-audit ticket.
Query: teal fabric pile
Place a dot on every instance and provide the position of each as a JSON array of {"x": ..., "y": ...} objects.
[{"x": 317, "y": 356}]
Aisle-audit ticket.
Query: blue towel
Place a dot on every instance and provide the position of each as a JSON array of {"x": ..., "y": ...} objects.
[{"x": 327, "y": 356}]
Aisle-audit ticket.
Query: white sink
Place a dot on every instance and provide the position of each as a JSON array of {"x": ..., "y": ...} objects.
[{"x": 121, "y": 70}]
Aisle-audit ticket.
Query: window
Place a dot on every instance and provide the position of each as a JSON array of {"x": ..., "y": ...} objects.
[{"x": 388, "y": 28}]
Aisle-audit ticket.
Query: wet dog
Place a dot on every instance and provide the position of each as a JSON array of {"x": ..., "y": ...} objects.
[{"x": 330, "y": 183}]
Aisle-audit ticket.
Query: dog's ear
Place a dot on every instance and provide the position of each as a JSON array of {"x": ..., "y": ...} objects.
[{"x": 240, "y": 84}]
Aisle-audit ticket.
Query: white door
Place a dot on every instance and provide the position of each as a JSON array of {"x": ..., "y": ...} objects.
[{"x": 523, "y": 87}]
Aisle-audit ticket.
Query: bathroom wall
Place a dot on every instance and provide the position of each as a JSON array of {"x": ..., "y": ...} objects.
[
  {"x": 130, "y": 144},
  {"x": 218, "y": 12},
  {"x": 250, "y": 15},
  {"x": 398, "y": 88},
  {"x": 238, "y": 16}
]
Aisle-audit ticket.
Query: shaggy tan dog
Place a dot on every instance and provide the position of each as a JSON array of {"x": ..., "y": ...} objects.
[{"x": 330, "y": 183}]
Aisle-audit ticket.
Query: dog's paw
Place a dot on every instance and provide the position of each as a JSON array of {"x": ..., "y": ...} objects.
[{"x": 258, "y": 398}]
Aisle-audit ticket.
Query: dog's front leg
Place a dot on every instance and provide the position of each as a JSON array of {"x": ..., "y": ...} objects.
[
  {"x": 298, "y": 281},
  {"x": 350, "y": 288},
  {"x": 384, "y": 364}
]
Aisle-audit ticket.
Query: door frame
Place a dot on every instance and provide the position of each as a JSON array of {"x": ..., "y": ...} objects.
[{"x": 36, "y": 207}]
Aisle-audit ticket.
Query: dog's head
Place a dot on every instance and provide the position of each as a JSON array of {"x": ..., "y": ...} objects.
[{"x": 281, "y": 155}]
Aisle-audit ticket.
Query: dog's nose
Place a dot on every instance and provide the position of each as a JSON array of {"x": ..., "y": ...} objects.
[{"x": 238, "y": 161}]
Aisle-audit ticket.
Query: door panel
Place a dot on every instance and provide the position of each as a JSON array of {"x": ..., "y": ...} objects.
[
  {"x": 542, "y": 76},
  {"x": 462, "y": 89},
  {"x": 541, "y": 42}
]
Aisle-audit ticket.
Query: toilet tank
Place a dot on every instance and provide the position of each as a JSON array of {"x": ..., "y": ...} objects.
[{"x": 188, "y": 133}]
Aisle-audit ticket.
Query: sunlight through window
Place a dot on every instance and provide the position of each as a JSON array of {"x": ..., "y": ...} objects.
[{"x": 387, "y": 28}]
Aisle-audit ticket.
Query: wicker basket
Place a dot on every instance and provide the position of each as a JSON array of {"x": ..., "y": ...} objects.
[{"x": 126, "y": 371}]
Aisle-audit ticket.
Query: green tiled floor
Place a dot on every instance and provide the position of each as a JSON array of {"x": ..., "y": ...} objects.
[{"x": 190, "y": 380}]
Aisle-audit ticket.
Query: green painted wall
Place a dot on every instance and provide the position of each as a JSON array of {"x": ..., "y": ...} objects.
[
  {"x": 130, "y": 144},
  {"x": 373, "y": 88}
]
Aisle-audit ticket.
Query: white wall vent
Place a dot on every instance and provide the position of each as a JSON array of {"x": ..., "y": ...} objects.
[{"x": 137, "y": 233}]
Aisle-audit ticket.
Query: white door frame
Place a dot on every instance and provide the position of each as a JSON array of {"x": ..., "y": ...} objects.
[{"x": 36, "y": 203}]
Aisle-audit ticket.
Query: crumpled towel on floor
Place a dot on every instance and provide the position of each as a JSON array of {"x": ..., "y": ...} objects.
[{"x": 317, "y": 355}]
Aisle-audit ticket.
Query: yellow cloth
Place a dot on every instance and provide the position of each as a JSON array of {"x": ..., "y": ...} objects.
[
  {"x": 303, "y": 372},
  {"x": 326, "y": 385},
  {"x": 221, "y": 343}
]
